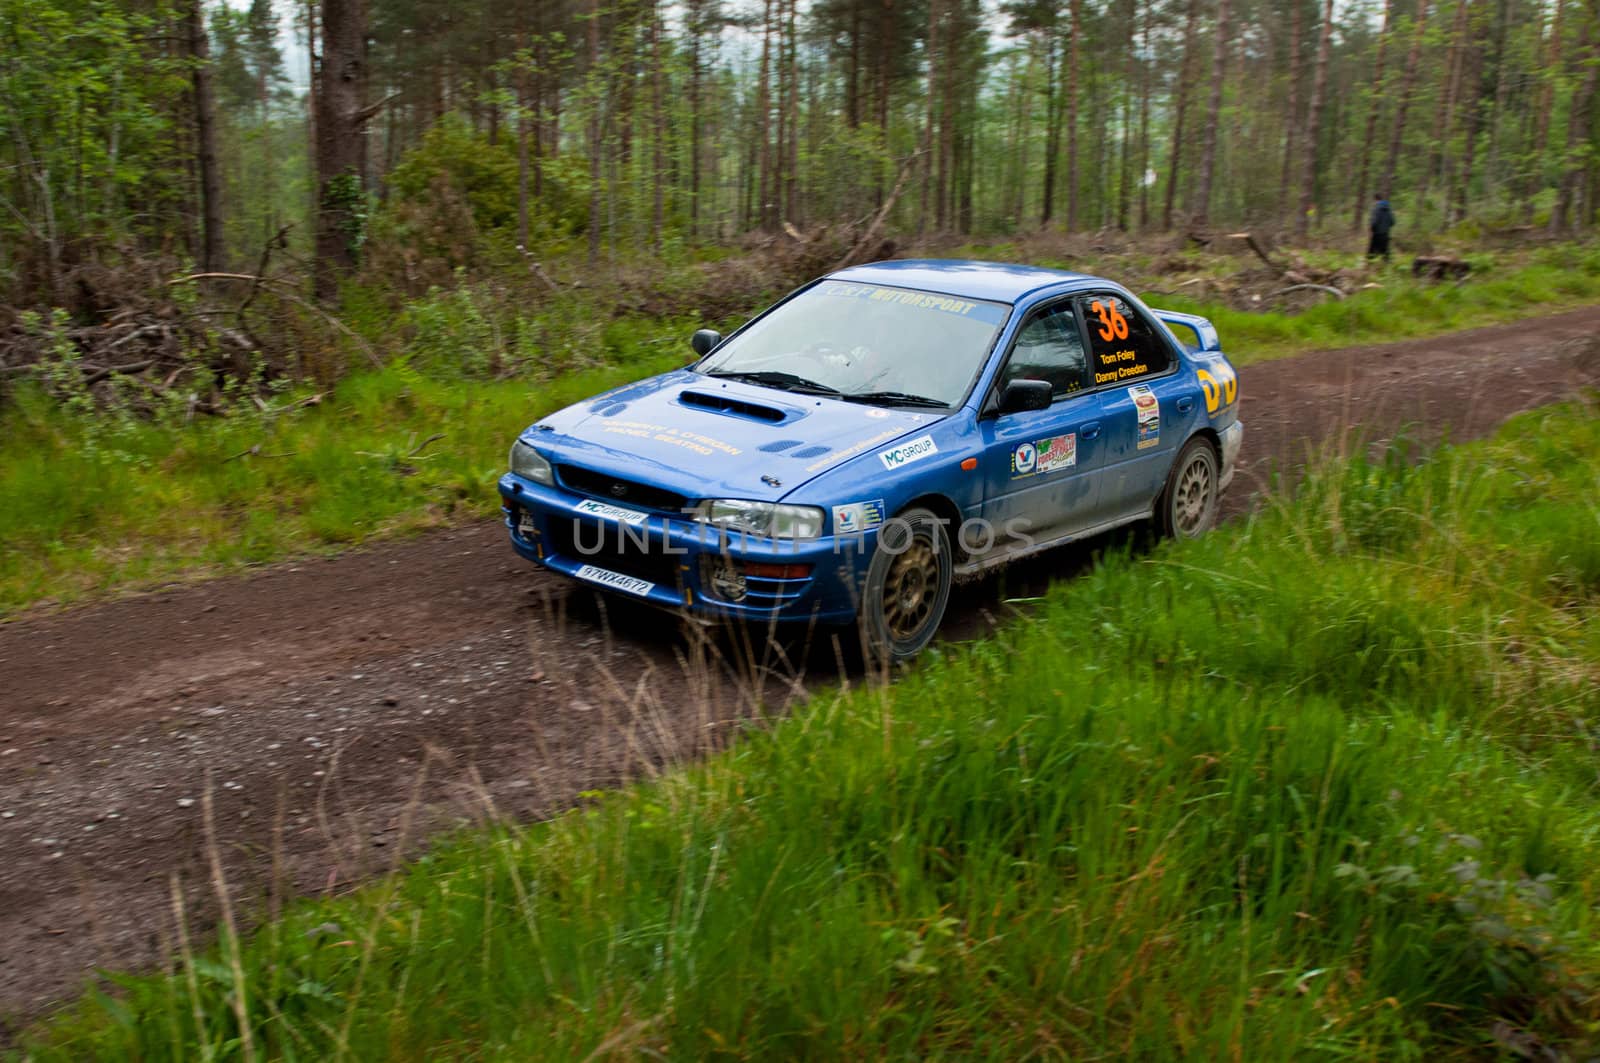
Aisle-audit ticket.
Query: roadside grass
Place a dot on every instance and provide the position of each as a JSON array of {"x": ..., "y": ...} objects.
[
  {"x": 92, "y": 503},
  {"x": 97, "y": 503},
  {"x": 1406, "y": 308},
  {"x": 1318, "y": 784}
]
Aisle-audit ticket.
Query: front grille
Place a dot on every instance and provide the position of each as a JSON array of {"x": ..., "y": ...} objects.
[
  {"x": 621, "y": 548},
  {"x": 609, "y": 488}
]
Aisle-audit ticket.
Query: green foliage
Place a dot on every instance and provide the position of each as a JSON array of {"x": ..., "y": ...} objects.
[
  {"x": 94, "y": 500},
  {"x": 453, "y": 199},
  {"x": 87, "y": 102},
  {"x": 1311, "y": 786},
  {"x": 344, "y": 198},
  {"x": 454, "y": 156}
]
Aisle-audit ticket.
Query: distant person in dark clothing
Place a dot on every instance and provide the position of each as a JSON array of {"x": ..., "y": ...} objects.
[{"x": 1382, "y": 222}]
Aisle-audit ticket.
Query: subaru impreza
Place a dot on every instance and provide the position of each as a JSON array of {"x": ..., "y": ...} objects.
[{"x": 848, "y": 454}]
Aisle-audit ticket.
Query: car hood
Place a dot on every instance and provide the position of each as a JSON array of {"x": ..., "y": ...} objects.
[{"x": 702, "y": 437}]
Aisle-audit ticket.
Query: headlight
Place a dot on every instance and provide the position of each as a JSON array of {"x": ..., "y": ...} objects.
[
  {"x": 531, "y": 465},
  {"x": 768, "y": 520}
]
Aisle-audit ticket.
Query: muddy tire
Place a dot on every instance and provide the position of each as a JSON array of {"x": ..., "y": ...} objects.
[
  {"x": 1187, "y": 507},
  {"x": 907, "y": 587}
]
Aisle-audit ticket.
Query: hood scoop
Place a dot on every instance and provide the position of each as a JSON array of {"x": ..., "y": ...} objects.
[{"x": 727, "y": 404}]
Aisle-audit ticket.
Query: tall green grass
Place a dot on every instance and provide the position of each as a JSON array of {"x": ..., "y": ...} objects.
[
  {"x": 90, "y": 503},
  {"x": 1318, "y": 785}
]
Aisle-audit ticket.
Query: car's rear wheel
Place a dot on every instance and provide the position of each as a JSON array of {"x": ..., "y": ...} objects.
[
  {"x": 1188, "y": 504},
  {"x": 907, "y": 586}
]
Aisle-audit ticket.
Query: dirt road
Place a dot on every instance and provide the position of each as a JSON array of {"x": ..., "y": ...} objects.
[{"x": 335, "y": 710}]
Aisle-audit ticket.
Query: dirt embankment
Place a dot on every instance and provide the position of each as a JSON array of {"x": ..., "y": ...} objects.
[{"x": 337, "y": 709}]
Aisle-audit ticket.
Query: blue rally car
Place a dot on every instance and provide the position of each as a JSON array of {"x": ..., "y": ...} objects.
[{"x": 880, "y": 433}]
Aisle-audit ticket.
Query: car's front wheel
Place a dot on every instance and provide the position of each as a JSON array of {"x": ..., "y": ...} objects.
[
  {"x": 1188, "y": 504},
  {"x": 907, "y": 586}
]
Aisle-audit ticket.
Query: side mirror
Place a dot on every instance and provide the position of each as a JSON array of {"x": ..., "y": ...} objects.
[
  {"x": 1022, "y": 395},
  {"x": 704, "y": 340}
]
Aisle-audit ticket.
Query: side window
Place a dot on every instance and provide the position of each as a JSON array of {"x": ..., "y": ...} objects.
[
  {"x": 1050, "y": 347},
  {"x": 1123, "y": 344}
]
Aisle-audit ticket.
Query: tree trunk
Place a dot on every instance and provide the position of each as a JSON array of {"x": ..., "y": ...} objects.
[
  {"x": 885, "y": 46},
  {"x": 1181, "y": 109},
  {"x": 1444, "y": 118},
  {"x": 658, "y": 162},
  {"x": 1072, "y": 114},
  {"x": 792, "y": 163},
  {"x": 1208, "y": 157},
  {"x": 1292, "y": 116},
  {"x": 946, "y": 146},
  {"x": 1319, "y": 87},
  {"x": 696, "y": 30},
  {"x": 1457, "y": 190},
  {"x": 1578, "y": 122},
  {"x": 523, "y": 166},
  {"x": 1408, "y": 83},
  {"x": 205, "y": 130},
  {"x": 341, "y": 143},
  {"x": 1052, "y": 129},
  {"x": 1144, "y": 123},
  {"x": 1493, "y": 169},
  {"x": 1373, "y": 108},
  {"x": 314, "y": 73},
  {"x": 1125, "y": 172},
  {"x": 1541, "y": 134},
  {"x": 594, "y": 133}
]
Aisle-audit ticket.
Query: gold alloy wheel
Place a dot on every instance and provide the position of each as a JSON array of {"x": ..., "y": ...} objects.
[
  {"x": 1193, "y": 496},
  {"x": 910, "y": 589}
]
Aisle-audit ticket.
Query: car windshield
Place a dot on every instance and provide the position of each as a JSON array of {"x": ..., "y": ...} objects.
[{"x": 866, "y": 343}]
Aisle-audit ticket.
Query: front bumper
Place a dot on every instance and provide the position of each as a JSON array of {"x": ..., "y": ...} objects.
[
  {"x": 676, "y": 563},
  {"x": 1232, "y": 439}
]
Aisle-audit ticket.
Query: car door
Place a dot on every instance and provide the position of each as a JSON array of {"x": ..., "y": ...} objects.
[
  {"x": 1141, "y": 403},
  {"x": 1038, "y": 465}
]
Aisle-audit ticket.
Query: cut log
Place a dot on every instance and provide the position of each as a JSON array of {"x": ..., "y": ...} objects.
[{"x": 1439, "y": 267}]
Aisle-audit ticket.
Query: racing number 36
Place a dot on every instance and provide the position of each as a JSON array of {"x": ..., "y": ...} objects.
[{"x": 1113, "y": 326}]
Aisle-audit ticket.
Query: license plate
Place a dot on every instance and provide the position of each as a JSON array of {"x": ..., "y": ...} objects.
[
  {"x": 620, "y": 514},
  {"x": 615, "y": 580}
]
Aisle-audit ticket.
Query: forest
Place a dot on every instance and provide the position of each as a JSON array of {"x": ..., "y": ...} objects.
[{"x": 148, "y": 140}]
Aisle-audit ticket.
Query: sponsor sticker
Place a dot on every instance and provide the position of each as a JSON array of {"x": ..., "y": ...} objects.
[
  {"x": 1044, "y": 455},
  {"x": 620, "y": 514},
  {"x": 1058, "y": 452},
  {"x": 615, "y": 580},
  {"x": 1149, "y": 413},
  {"x": 855, "y": 517},
  {"x": 525, "y": 526},
  {"x": 906, "y": 453}
]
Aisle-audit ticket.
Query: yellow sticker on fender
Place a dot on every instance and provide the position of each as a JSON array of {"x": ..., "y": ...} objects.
[{"x": 1219, "y": 393}]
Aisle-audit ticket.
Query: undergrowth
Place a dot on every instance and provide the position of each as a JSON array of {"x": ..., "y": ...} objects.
[{"x": 1320, "y": 784}]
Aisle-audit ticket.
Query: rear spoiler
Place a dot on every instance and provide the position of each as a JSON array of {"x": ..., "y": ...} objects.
[{"x": 1183, "y": 326}]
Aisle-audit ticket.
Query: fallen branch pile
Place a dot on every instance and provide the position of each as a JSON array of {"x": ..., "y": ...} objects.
[{"x": 141, "y": 338}]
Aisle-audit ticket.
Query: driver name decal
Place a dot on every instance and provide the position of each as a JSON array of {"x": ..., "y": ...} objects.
[{"x": 906, "y": 453}]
